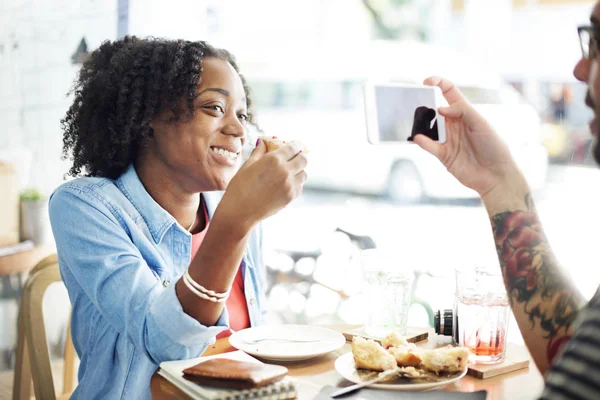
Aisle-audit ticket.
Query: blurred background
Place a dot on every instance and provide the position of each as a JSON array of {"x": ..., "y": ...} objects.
[{"x": 306, "y": 62}]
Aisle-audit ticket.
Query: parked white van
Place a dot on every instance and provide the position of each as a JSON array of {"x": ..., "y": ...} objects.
[{"x": 322, "y": 105}]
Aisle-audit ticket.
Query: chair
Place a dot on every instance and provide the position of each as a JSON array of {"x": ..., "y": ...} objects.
[{"x": 33, "y": 358}]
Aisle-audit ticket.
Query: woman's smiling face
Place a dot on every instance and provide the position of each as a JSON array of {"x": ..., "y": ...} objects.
[{"x": 205, "y": 151}]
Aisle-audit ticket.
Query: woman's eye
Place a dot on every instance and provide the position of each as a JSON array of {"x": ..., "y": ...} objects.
[
  {"x": 216, "y": 108},
  {"x": 243, "y": 117}
]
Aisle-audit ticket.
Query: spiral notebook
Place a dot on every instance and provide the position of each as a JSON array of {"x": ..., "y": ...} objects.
[{"x": 173, "y": 372}]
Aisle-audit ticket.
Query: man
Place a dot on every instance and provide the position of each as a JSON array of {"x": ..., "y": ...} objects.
[{"x": 545, "y": 303}]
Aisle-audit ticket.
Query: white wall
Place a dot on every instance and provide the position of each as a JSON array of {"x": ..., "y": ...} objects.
[{"x": 37, "y": 39}]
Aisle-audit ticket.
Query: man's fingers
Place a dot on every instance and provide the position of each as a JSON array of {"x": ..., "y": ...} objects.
[
  {"x": 451, "y": 93},
  {"x": 455, "y": 111},
  {"x": 461, "y": 110},
  {"x": 429, "y": 145}
]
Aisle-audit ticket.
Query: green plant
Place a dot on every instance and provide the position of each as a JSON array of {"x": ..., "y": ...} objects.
[{"x": 31, "y": 195}]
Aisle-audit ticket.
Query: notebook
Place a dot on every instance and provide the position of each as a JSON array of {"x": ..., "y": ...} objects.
[{"x": 172, "y": 371}]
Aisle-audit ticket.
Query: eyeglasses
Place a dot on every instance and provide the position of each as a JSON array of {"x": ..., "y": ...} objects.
[{"x": 588, "y": 39}]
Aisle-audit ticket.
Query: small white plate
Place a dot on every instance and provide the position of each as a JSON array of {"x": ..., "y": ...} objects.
[
  {"x": 287, "y": 342},
  {"x": 344, "y": 365}
]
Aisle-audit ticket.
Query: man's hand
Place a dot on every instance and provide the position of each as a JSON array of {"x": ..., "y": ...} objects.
[{"x": 473, "y": 152}]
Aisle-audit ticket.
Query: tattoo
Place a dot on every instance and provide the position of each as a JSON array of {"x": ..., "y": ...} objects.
[{"x": 531, "y": 275}]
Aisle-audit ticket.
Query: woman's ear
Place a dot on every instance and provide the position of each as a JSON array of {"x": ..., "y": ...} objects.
[
  {"x": 153, "y": 126},
  {"x": 158, "y": 123}
]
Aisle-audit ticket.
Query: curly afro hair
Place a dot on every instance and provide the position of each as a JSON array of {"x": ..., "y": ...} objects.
[{"x": 120, "y": 88}]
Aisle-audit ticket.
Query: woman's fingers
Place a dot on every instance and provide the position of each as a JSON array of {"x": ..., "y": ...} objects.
[
  {"x": 259, "y": 151},
  {"x": 298, "y": 163},
  {"x": 301, "y": 177},
  {"x": 288, "y": 150}
]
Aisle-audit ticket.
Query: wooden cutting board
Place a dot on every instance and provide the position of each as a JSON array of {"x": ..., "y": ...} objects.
[
  {"x": 517, "y": 357},
  {"x": 413, "y": 335}
]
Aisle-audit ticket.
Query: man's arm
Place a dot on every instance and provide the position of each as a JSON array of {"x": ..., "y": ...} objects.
[{"x": 544, "y": 302}]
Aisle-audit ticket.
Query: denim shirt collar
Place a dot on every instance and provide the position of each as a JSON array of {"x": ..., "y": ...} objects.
[{"x": 157, "y": 218}]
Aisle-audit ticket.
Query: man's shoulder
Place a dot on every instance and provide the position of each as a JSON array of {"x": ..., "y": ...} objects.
[{"x": 595, "y": 300}]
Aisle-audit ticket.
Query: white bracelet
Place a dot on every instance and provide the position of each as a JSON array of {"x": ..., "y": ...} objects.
[
  {"x": 204, "y": 290},
  {"x": 200, "y": 294}
]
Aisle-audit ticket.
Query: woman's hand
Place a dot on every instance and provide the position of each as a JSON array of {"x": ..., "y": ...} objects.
[
  {"x": 266, "y": 183},
  {"x": 473, "y": 152}
]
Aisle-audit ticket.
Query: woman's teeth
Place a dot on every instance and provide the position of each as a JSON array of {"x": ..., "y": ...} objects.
[{"x": 225, "y": 153}]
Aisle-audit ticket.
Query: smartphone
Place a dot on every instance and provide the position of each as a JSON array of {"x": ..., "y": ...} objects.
[{"x": 396, "y": 112}]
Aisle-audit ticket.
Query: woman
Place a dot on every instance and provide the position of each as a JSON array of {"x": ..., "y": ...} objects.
[{"x": 157, "y": 262}]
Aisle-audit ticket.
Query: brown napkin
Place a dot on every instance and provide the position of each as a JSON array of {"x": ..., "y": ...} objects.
[{"x": 234, "y": 374}]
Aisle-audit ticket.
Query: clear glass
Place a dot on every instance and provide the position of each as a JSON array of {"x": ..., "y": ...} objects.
[
  {"x": 482, "y": 312},
  {"x": 388, "y": 290}
]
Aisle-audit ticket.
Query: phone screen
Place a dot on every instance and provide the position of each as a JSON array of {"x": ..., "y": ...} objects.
[{"x": 399, "y": 112}]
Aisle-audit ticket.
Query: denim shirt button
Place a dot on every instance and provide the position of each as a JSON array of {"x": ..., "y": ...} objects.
[
  {"x": 252, "y": 301},
  {"x": 166, "y": 283}
]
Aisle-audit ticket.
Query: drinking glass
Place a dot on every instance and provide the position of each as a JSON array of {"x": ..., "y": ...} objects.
[
  {"x": 388, "y": 291},
  {"x": 482, "y": 313}
]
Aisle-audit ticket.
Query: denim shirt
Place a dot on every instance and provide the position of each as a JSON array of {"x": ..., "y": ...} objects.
[{"x": 120, "y": 255}]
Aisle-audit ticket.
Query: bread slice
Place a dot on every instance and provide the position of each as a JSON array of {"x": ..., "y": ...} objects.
[
  {"x": 371, "y": 355},
  {"x": 393, "y": 340},
  {"x": 445, "y": 359},
  {"x": 273, "y": 143},
  {"x": 406, "y": 356}
]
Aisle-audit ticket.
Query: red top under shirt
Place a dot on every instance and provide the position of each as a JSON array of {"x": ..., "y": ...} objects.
[{"x": 237, "y": 308}]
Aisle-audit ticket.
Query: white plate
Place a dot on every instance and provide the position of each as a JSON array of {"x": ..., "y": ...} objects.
[
  {"x": 345, "y": 367},
  {"x": 311, "y": 341}
]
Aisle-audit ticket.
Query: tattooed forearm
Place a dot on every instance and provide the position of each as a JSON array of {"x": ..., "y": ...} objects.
[{"x": 537, "y": 291}]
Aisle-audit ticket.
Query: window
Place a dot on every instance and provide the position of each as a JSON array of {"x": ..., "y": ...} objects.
[{"x": 307, "y": 94}]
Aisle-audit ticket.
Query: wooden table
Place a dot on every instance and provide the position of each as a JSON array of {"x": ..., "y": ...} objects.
[
  {"x": 24, "y": 261},
  {"x": 312, "y": 375}
]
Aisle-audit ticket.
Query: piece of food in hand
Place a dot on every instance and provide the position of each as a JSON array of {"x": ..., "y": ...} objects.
[
  {"x": 393, "y": 340},
  {"x": 406, "y": 356},
  {"x": 371, "y": 355},
  {"x": 273, "y": 143},
  {"x": 445, "y": 359}
]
